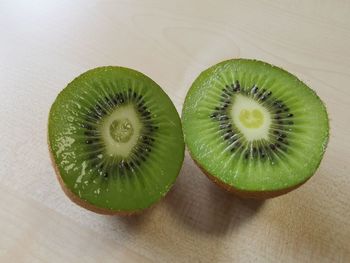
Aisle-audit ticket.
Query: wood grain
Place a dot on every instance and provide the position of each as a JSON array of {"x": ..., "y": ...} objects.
[{"x": 45, "y": 44}]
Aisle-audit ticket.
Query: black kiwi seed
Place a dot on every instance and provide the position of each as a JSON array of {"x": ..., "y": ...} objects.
[
  {"x": 262, "y": 93},
  {"x": 146, "y": 113},
  {"x": 230, "y": 134},
  {"x": 137, "y": 162},
  {"x": 254, "y": 89},
  {"x": 255, "y": 152},
  {"x": 214, "y": 115},
  {"x": 262, "y": 152},
  {"x": 237, "y": 86},
  {"x": 285, "y": 143},
  {"x": 91, "y": 132},
  {"x": 223, "y": 118},
  {"x": 226, "y": 92},
  {"x": 232, "y": 140},
  {"x": 224, "y": 126},
  {"x": 91, "y": 115},
  {"x": 132, "y": 165},
  {"x": 278, "y": 104},
  {"x": 229, "y": 130},
  {"x": 266, "y": 147},
  {"x": 227, "y": 136},
  {"x": 121, "y": 165},
  {"x": 140, "y": 104},
  {"x": 127, "y": 166},
  {"x": 146, "y": 142},
  {"x": 92, "y": 135},
  {"x": 101, "y": 110},
  {"x": 108, "y": 102},
  {"x": 86, "y": 126},
  {"x": 115, "y": 100}
]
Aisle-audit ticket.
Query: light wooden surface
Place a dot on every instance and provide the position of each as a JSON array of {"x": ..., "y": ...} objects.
[{"x": 45, "y": 44}]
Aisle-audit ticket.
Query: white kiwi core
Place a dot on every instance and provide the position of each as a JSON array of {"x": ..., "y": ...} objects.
[
  {"x": 252, "y": 119},
  {"x": 121, "y": 130}
]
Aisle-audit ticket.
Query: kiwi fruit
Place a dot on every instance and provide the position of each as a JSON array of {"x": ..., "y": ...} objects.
[
  {"x": 253, "y": 128},
  {"x": 115, "y": 140}
]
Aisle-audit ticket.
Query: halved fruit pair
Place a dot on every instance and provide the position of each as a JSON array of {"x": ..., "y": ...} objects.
[{"x": 117, "y": 145}]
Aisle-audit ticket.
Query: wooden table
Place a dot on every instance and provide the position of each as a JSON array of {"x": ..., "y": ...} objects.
[{"x": 45, "y": 44}]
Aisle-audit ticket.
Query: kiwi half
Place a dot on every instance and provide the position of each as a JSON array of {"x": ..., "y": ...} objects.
[
  {"x": 254, "y": 128},
  {"x": 115, "y": 140}
]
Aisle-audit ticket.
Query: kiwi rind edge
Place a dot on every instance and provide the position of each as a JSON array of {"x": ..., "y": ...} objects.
[
  {"x": 248, "y": 194},
  {"x": 74, "y": 198}
]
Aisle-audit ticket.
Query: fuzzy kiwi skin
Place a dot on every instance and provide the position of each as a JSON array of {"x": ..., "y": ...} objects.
[
  {"x": 84, "y": 204},
  {"x": 260, "y": 195},
  {"x": 75, "y": 199},
  {"x": 99, "y": 210},
  {"x": 87, "y": 205}
]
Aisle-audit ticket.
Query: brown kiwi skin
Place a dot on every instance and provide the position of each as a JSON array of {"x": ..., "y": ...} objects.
[
  {"x": 75, "y": 199},
  {"x": 261, "y": 195}
]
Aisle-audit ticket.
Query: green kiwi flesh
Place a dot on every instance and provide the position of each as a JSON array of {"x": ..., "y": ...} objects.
[
  {"x": 254, "y": 128},
  {"x": 116, "y": 140}
]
